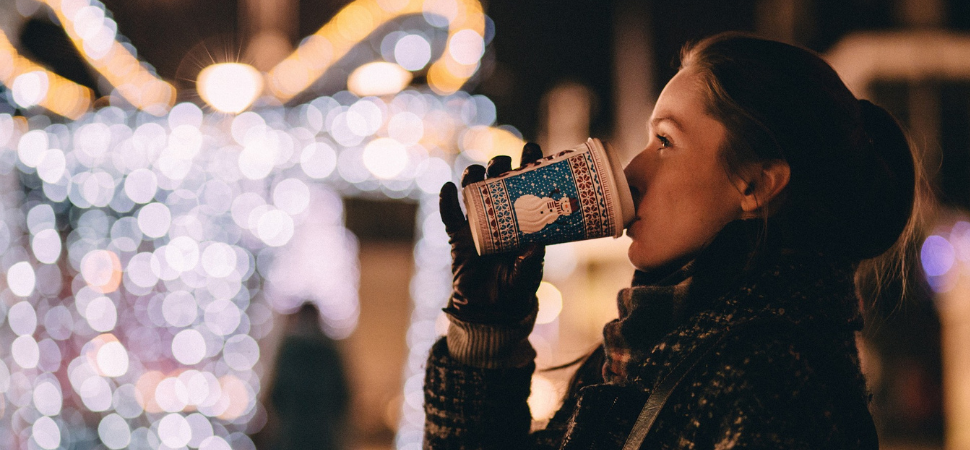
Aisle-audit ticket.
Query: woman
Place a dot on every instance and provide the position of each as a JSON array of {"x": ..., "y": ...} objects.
[{"x": 764, "y": 185}]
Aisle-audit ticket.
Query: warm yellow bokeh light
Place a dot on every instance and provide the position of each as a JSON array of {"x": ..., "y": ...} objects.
[
  {"x": 32, "y": 84},
  {"x": 94, "y": 36},
  {"x": 378, "y": 78},
  {"x": 465, "y": 21},
  {"x": 230, "y": 87},
  {"x": 543, "y": 398},
  {"x": 481, "y": 143},
  {"x": 550, "y": 303}
]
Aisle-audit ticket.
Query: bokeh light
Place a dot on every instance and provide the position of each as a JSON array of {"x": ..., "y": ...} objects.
[
  {"x": 937, "y": 256},
  {"x": 385, "y": 157},
  {"x": 30, "y": 88},
  {"x": 150, "y": 250},
  {"x": 412, "y": 52},
  {"x": 21, "y": 279},
  {"x": 378, "y": 78},
  {"x": 229, "y": 87},
  {"x": 550, "y": 303},
  {"x": 543, "y": 398}
]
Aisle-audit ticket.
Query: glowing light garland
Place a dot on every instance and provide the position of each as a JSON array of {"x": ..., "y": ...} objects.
[
  {"x": 94, "y": 34},
  {"x": 177, "y": 232},
  {"x": 146, "y": 252},
  {"x": 33, "y": 85},
  {"x": 458, "y": 62}
]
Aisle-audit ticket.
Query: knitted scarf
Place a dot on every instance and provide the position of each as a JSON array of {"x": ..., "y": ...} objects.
[
  {"x": 742, "y": 274},
  {"x": 646, "y": 314}
]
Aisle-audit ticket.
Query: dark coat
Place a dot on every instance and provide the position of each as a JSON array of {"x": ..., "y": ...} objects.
[{"x": 788, "y": 378}]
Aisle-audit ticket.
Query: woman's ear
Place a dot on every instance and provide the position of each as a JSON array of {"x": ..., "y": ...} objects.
[{"x": 768, "y": 179}]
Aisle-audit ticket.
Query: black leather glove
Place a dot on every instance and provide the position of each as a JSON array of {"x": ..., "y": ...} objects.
[{"x": 493, "y": 289}]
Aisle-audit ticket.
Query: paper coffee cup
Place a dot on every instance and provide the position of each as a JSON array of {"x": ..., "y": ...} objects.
[{"x": 576, "y": 194}]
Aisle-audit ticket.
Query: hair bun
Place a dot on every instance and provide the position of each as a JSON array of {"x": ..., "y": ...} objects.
[{"x": 891, "y": 190}]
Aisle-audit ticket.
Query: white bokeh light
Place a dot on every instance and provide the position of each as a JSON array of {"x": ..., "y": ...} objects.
[
  {"x": 219, "y": 260},
  {"x": 222, "y": 317},
  {"x": 241, "y": 352},
  {"x": 30, "y": 88},
  {"x": 197, "y": 385},
  {"x": 275, "y": 228},
  {"x": 21, "y": 279},
  {"x": 180, "y": 309},
  {"x": 174, "y": 431},
  {"x": 101, "y": 314},
  {"x": 52, "y": 166},
  {"x": 96, "y": 393},
  {"x": 201, "y": 429},
  {"x": 172, "y": 395},
  {"x": 182, "y": 253},
  {"x": 229, "y": 87},
  {"x": 112, "y": 359},
  {"x": 406, "y": 128},
  {"x": 291, "y": 196},
  {"x": 185, "y": 113},
  {"x": 188, "y": 347},
  {"x": 412, "y": 52},
  {"x": 214, "y": 443},
  {"x": 432, "y": 174},
  {"x": 140, "y": 272},
  {"x": 47, "y": 398},
  {"x": 466, "y": 46},
  {"x": 46, "y": 245},
  {"x": 318, "y": 160},
  {"x": 114, "y": 432},
  {"x": 25, "y": 351},
  {"x": 32, "y": 147},
  {"x": 258, "y": 157},
  {"x": 127, "y": 401},
  {"x": 385, "y": 157},
  {"x": 4, "y": 377},
  {"x": 22, "y": 318},
  {"x": 46, "y": 433},
  {"x": 154, "y": 219},
  {"x": 141, "y": 185},
  {"x": 101, "y": 269}
]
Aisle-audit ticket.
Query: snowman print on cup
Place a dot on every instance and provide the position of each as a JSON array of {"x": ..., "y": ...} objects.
[{"x": 533, "y": 213}]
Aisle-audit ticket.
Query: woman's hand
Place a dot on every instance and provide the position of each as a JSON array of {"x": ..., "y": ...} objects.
[{"x": 498, "y": 288}]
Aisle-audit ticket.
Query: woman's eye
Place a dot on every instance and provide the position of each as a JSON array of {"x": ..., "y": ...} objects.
[{"x": 664, "y": 142}]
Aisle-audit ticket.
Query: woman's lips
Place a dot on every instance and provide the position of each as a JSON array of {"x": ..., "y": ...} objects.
[{"x": 629, "y": 227}]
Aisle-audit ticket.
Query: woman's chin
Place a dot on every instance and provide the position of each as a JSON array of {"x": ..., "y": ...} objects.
[{"x": 637, "y": 256}]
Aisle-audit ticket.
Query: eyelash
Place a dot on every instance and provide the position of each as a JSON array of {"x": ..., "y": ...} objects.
[{"x": 664, "y": 141}]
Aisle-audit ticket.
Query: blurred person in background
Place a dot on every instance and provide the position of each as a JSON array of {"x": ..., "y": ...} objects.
[
  {"x": 765, "y": 188},
  {"x": 309, "y": 395}
]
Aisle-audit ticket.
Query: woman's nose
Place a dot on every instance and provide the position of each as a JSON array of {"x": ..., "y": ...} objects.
[
  {"x": 636, "y": 175},
  {"x": 636, "y": 171}
]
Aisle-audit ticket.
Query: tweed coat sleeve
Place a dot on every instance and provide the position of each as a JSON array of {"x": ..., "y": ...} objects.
[{"x": 474, "y": 408}]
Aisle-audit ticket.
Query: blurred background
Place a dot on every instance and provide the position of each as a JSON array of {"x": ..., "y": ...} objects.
[{"x": 218, "y": 220}]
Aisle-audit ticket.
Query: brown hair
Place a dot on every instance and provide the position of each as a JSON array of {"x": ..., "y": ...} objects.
[{"x": 853, "y": 176}]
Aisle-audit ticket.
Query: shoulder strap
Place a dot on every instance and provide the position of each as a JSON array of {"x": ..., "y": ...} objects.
[{"x": 659, "y": 396}]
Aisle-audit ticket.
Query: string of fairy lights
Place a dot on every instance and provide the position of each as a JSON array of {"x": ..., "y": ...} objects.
[{"x": 147, "y": 245}]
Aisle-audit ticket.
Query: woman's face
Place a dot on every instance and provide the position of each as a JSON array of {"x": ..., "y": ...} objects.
[{"x": 683, "y": 194}]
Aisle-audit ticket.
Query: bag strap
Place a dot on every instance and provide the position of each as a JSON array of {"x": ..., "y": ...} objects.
[{"x": 659, "y": 396}]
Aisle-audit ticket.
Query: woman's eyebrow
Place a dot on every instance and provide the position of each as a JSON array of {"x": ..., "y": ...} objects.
[{"x": 657, "y": 120}]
